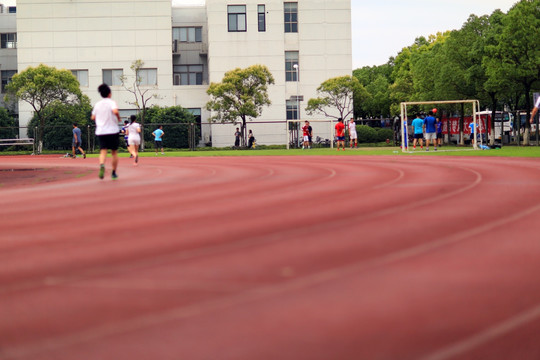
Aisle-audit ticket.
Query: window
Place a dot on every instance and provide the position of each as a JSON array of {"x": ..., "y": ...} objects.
[
  {"x": 292, "y": 110},
  {"x": 147, "y": 76},
  {"x": 6, "y": 76},
  {"x": 261, "y": 12},
  {"x": 113, "y": 77},
  {"x": 291, "y": 17},
  {"x": 237, "y": 18},
  {"x": 188, "y": 75},
  {"x": 187, "y": 34},
  {"x": 8, "y": 41},
  {"x": 82, "y": 76},
  {"x": 291, "y": 59},
  {"x": 12, "y": 9}
]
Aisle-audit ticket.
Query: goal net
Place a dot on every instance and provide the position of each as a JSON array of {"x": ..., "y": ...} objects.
[
  {"x": 449, "y": 124},
  {"x": 322, "y": 133}
]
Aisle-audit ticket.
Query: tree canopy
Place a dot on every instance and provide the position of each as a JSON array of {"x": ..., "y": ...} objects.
[
  {"x": 336, "y": 96},
  {"x": 242, "y": 94},
  {"x": 42, "y": 86},
  {"x": 493, "y": 58}
]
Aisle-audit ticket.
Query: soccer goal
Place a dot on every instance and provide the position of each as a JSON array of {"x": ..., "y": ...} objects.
[
  {"x": 323, "y": 133},
  {"x": 475, "y": 104}
]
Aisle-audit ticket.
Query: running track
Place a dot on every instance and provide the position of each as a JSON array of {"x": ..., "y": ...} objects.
[{"x": 258, "y": 258}]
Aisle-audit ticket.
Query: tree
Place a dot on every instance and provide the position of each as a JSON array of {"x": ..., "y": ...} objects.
[
  {"x": 337, "y": 94},
  {"x": 242, "y": 94},
  {"x": 376, "y": 80},
  {"x": 176, "y": 121},
  {"x": 516, "y": 56},
  {"x": 57, "y": 132},
  {"x": 7, "y": 125},
  {"x": 40, "y": 87}
]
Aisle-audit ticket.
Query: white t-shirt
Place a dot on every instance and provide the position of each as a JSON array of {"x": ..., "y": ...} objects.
[
  {"x": 106, "y": 121},
  {"x": 133, "y": 134},
  {"x": 537, "y": 104},
  {"x": 352, "y": 128}
]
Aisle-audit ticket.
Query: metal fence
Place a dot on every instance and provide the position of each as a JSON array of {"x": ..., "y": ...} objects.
[{"x": 181, "y": 135}]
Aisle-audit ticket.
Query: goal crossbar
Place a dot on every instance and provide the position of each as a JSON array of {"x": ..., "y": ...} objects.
[{"x": 404, "y": 136}]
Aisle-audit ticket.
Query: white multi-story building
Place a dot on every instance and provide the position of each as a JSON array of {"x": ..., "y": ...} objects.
[{"x": 98, "y": 41}]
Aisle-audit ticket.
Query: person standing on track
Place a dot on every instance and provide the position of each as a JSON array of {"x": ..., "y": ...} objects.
[
  {"x": 418, "y": 131},
  {"x": 107, "y": 117},
  {"x": 431, "y": 130},
  {"x": 352, "y": 133},
  {"x": 134, "y": 138},
  {"x": 77, "y": 141},
  {"x": 158, "y": 141},
  {"x": 340, "y": 134},
  {"x": 310, "y": 134}
]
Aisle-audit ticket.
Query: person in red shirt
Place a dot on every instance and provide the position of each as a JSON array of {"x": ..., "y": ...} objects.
[
  {"x": 305, "y": 131},
  {"x": 340, "y": 134}
]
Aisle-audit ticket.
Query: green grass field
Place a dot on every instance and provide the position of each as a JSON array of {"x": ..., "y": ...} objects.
[{"x": 507, "y": 151}]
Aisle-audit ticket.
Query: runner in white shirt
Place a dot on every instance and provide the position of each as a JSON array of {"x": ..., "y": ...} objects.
[
  {"x": 352, "y": 133},
  {"x": 106, "y": 116},
  {"x": 134, "y": 138}
]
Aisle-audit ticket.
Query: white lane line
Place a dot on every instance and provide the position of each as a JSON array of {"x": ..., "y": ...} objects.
[{"x": 260, "y": 293}]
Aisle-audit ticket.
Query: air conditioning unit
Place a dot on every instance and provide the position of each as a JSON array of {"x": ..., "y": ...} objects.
[{"x": 176, "y": 80}]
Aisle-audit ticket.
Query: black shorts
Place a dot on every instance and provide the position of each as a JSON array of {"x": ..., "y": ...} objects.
[
  {"x": 439, "y": 136},
  {"x": 76, "y": 144},
  {"x": 419, "y": 136},
  {"x": 159, "y": 144},
  {"x": 109, "y": 141}
]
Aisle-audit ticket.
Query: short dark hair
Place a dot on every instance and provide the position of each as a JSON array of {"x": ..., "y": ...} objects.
[
  {"x": 430, "y": 112},
  {"x": 104, "y": 90},
  {"x": 74, "y": 124}
]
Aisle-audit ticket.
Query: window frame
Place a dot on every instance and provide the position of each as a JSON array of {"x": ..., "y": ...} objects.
[
  {"x": 8, "y": 40},
  {"x": 6, "y": 79},
  {"x": 292, "y": 58},
  {"x": 261, "y": 17},
  {"x": 233, "y": 14},
  {"x": 291, "y": 109},
  {"x": 191, "y": 76},
  {"x": 195, "y": 38},
  {"x": 290, "y": 12},
  {"x": 113, "y": 77},
  {"x": 78, "y": 73},
  {"x": 143, "y": 76}
]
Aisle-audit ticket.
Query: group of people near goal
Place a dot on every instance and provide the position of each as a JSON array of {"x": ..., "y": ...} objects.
[{"x": 307, "y": 132}]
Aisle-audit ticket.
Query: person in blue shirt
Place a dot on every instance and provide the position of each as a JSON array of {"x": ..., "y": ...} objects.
[
  {"x": 439, "y": 133},
  {"x": 431, "y": 130},
  {"x": 418, "y": 129},
  {"x": 158, "y": 141}
]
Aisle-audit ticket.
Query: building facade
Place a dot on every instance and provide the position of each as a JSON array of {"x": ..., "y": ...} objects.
[{"x": 184, "y": 49}]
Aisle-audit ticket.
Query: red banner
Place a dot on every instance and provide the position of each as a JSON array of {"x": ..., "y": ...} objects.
[{"x": 452, "y": 124}]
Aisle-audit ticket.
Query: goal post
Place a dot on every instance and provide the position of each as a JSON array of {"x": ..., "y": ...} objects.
[
  {"x": 323, "y": 129},
  {"x": 404, "y": 117}
]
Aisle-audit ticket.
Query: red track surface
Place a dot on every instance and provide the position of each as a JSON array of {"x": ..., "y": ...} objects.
[{"x": 272, "y": 258}]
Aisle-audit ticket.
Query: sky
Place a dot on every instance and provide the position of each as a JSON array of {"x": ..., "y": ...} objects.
[{"x": 380, "y": 29}]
